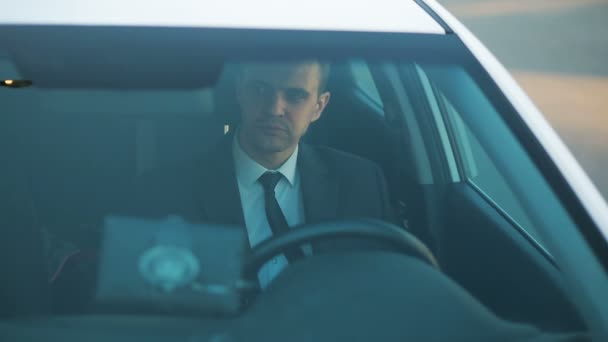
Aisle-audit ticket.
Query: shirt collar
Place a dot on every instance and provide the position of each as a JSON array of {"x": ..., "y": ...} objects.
[{"x": 248, "y": 170}]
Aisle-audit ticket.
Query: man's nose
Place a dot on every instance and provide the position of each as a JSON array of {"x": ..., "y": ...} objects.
[{"x": 277, "y": 105}]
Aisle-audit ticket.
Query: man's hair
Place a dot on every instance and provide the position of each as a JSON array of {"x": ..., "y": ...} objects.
[{"x": 324, "y": 70}]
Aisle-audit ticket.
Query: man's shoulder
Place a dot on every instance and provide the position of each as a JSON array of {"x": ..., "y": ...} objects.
[
  {"x": 360, "y": 181},
  {"x": 212, "y": 157},
  {"x": 340, "y": 159},
  {"x": 172, "y": 187}
]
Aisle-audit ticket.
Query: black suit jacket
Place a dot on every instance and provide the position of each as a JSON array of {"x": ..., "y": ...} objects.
[{"x": 335, "y": 185}]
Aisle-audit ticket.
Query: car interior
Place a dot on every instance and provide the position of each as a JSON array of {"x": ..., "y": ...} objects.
[{"x": 73, "y": 155}]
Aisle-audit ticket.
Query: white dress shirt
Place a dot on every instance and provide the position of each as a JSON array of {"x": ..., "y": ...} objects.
[{"x": 288, "y": 193}]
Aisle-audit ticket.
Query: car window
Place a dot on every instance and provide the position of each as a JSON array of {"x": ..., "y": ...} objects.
[
  {"x": 483, "y": 172},
  {"x": 478, "y": 165}
]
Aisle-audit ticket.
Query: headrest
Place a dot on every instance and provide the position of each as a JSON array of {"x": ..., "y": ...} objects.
[{"x": 224, "y": 94}]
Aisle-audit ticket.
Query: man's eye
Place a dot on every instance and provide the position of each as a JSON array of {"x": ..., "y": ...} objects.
[{"x": 295, "y": 96}]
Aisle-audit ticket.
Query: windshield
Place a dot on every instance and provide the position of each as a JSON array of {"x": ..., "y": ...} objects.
[{"x": 120, "y": 192}]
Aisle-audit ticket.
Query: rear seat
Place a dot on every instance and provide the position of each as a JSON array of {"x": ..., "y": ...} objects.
[
  {"x": 81, "y": 167},
  {"x": 85, "y": 169},
  {"x": 85, "y": 166},
  {"x": 82, "y": 151},
  {"x": 23, "y": 286}
]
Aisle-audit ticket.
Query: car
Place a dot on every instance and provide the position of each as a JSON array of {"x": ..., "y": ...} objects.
[{"x": 498, "y": 233}]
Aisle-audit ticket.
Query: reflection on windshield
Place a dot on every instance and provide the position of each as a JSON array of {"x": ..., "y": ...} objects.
[{"x": 138, "y": 193}]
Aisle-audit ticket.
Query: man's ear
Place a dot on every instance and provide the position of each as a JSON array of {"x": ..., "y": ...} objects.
[{"x": 322, "y": 102}]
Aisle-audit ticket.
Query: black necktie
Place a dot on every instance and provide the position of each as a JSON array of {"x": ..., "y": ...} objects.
[{"x": 276, "y": 219}]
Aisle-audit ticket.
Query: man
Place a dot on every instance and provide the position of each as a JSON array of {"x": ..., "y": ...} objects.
[{"x": 262, "y": 177}]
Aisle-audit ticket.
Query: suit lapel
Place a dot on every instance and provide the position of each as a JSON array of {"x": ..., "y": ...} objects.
[
  {"x": 218, "y": 192},
  {"x": 319, "y": 188},
  {"x": 219, "y": 196}
]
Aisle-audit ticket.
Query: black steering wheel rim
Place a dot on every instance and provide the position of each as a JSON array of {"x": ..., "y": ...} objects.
[{"x": 395, "y": 238}]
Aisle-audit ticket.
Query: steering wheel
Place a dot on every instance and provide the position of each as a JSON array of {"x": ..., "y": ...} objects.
[{"x": 391, "y": 236}]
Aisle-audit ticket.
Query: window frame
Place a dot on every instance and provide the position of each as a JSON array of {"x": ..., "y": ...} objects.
[{"x": 456, "y": 146}]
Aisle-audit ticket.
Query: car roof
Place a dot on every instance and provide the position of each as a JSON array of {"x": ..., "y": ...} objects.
[{"x": 356, "y": 15}]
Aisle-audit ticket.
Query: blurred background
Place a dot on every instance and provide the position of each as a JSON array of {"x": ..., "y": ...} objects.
[{"x": 558, "y": 52}]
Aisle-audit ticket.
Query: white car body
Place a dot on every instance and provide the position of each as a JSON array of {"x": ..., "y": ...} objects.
[
  {"x": 384, "y": 16},
  {"x": 567, "y": 247}
]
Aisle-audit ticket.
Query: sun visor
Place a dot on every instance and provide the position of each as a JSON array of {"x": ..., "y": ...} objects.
[
  {"x": 64, "y": 57},
  {"x": 8, "y": 70}
]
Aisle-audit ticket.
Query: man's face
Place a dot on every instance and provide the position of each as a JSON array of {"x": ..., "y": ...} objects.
[{"x": 278, "y": 103}]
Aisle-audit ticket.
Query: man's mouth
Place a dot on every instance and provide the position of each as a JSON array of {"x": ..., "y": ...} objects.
[{"x": 273, "y": 128}]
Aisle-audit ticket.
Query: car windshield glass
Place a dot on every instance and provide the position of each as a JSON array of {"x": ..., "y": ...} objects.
[{"x": 114, "y": 190}]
